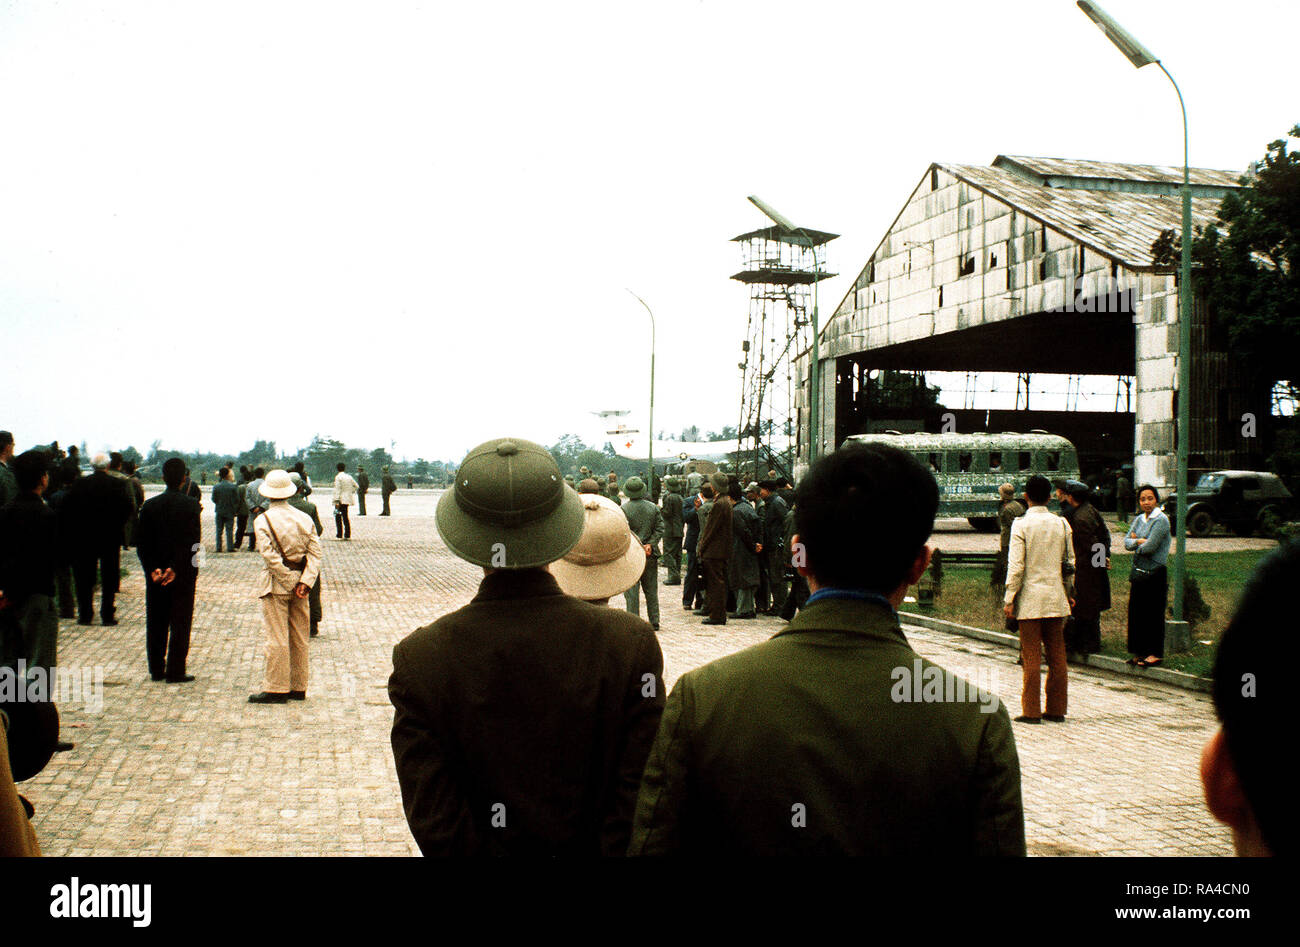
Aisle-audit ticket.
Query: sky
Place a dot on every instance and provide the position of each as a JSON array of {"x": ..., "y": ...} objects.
[{"x": 417, "y": 224}]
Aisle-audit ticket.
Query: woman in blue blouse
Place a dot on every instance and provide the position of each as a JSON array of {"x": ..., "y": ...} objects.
[{"x": 1149, "y": 582}]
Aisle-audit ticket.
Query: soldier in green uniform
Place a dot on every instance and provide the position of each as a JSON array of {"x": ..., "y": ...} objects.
[
  {"x": 363, "y": 484},
  {"x": 389, "y": 488},
  {"x": 648, "y": 524},
  {"x": 299, "y": 501},
  {"x": 611, "y": 487},
  {"x": 671, "y": 504}
]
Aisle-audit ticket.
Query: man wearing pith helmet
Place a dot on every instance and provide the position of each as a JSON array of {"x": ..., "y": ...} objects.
[{"x": 522, "y": 721}]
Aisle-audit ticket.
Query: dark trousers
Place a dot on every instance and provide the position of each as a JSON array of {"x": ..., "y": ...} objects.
[
  {"x": 777, "y": 560},
  {"x": 252, "y": 533},
  {"x": 226, "y": 524},
  {"x": 169, "y": 612},
  {"x": 692, "y": 580},
  {"x": 67, "y": 598},
  {"x": 39, "y": 623},
  {"x": 1146, "y": 614},
  {"x": 342, "y": 525},
  {"x": 649, "y": 583},
  {"x": 797, "y": 598},
  {"x": 762, "y": 595},
  {"x": 386, "y": 511},
  {"x": 361, "y": 503},
  {"x": 241, "y": 525},
  {"x": 715, "y": 577},
  {"x": 106, "y": 556},
  {"x": 673, "y": 558}
]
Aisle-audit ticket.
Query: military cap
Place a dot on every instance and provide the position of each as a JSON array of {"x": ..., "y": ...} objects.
[{"x": 634, "y": 487}]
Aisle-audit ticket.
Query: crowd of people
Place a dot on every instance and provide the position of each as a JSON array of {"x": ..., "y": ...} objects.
[{"x": 534, "y": 719}]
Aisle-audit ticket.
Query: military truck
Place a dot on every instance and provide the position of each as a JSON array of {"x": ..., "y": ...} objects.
[{"x": 1242, "y": 500}]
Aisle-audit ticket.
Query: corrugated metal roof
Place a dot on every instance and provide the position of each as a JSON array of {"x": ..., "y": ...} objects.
[
  {"x": 1117, "y": 224},
  {"x": 1114, "y": 171}
]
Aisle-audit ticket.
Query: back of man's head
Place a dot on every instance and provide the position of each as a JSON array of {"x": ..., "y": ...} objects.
[
  {"x": 342, "y": 467},
  {"x": 1038, "y": 488},
  {"x": 114, "y": 460},
  {"x": 6, "y": 441},
  {"x": 259, "y": 473},
  {"x": 863, "y": 515},
  {"x": 1250, "y": 696},
  {"x": 29, "y": 467},
  {"x": 174, "y": 472}
]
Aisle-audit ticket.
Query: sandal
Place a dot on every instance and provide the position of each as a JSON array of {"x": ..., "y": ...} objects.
[
  {"x": 1132, "y": 661},
  {"x": 1150, "y": 663}
]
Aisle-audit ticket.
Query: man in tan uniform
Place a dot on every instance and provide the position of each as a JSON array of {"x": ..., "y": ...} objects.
[{"x": 286, "y": 538}]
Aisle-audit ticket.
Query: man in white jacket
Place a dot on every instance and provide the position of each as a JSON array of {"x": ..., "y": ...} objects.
[
  {"x": 286, "y": 538},
  {"x": 345, "y": 493}
]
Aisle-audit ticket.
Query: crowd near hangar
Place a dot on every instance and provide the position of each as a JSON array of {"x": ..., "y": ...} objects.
[{"x": 1031, "y": 266}]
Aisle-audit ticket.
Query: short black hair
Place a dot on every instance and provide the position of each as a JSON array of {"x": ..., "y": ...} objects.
[
  {"x": 733, "y": 490},
  {"x": 1147, "y": 486},
  {"x": 767, "y": 485},
  {"x": 1038, "y": 488},
  {"x": 29, "y": 467},
  {"x": 863, "y": 515},
  {"x": 174, "y": 471},
  {"x": 342, "y": 466},
  {"x": 1250, "y": 692},
  {"x": 258, "y": 472},
  {"x": 706, "y": 491},
  {"x": 5, "y": 439},
  {"x": 221, "y": 474},
  {"x": 114, "y": 460}
]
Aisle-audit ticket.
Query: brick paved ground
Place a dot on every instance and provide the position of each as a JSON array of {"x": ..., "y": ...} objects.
[{"x": 195, "y": 769}]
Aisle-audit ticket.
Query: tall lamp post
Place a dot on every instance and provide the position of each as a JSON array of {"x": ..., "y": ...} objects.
[
  {"x": 1140, "y": 56},
  {"x": 650, "y": 442},
  {"x": 815, "y": 369}
]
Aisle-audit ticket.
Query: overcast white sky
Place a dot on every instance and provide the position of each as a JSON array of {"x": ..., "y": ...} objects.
[{"x": 416, "y": 222}]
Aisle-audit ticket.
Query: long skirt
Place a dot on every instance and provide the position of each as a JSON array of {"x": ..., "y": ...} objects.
[{"x": 1146, "y": 614}]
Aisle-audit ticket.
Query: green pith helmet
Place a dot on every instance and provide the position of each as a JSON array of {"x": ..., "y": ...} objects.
[
  {"x": 634, "y": 487},
  {"x": 508, "y": 507}
]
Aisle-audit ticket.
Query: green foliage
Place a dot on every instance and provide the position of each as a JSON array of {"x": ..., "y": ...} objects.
[{"x": 1249, "y": 269}]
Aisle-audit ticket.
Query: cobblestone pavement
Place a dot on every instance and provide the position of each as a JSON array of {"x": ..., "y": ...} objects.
[{"x": 194, "y": 769}]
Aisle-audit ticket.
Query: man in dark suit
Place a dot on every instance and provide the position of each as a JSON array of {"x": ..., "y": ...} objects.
[
  {"x": 522, "y": 721},
  {"x": 715, "y": 551},
  {"x": 835, "y": 737},
  {"x": 94, "y": 515},
  {"x": 168, "y": 541},
  {"x": 363, "y": 485}
]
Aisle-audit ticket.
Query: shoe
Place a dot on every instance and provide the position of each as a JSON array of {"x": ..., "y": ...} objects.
[
  {"x": 672, "y": 582},
  {"x": 1023, "y": 719},
  {"x": 158, "y": 677},
  {"x": 1148, "y": 663},
  {"x": 297, "y": 695},
  {"x": 85, "y": 621},
  {"x": 108, "y": 621},
  {"x": 1055, "y": 718},
  {"x": 710, "y": 621},
  {"x": 268, "y": 698},
  {"x": 655, "y": 625},
  {"x": 741, "y": 615},
  {"x": 63, "y": 746},
  {"x": 314, "y": 634},
  {"x": 68, "y": 615},
  {"x": 700, "y": 611},
  {"x": 183, "y": 679},
  {"x": 1131, "y": 661}
]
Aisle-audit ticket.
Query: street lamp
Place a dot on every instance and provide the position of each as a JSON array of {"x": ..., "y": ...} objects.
[
  {"x": 1140, "y": 56},
  {"x": 650, "y": 443},
  {"x": 814, "y": 373}
]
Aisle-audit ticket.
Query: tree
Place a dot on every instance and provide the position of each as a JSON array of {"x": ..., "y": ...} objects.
[
  {"x": 323, "y": 456},
  {"x": 380, "y": 458},
  {"x": 1248, "y": 271}
]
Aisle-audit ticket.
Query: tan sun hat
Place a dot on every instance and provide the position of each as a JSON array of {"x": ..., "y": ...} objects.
[
  {"x": 608, "y": 559},
  {"x": 278, "y": 486}
]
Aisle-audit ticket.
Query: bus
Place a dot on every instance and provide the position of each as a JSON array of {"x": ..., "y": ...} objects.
[{"x": 969, "y": 468}]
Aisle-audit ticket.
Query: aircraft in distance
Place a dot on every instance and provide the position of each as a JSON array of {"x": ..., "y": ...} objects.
[{"x": 628, "y": 440}]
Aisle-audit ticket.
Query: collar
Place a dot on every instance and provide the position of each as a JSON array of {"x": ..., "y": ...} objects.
[
  {"x": 853, "y": 616},
  {"x": 857, "y": 595},
  {"x": 517, "y": 583}
]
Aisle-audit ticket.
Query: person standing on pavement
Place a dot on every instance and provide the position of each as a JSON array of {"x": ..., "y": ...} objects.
[
  {"x": 776, "y": 557},
  {"x": 137, "y": 499},
  {"x": 241, "y": 512},
  {"x": 691, "y": 518},
  {"x": 1039, "y": 595},
  {"x": 647, "y": 522},
  {"x": 671, "y": 505},
  {"x": 291, "y": 554},
  {"x": 29, "y": 553},
  {"x": 345, "y": 491},
  {"x": 8, "y": 482},
  {"x": 95, "y": 511},
  {"x": 816, "y": 742},
  {"x": 256, "y": 504},
  {"x": 300, "y": 502},
  {"x": 168, "y": 541},
  {"x": 363, "y": 485},
  {"x": 1149, "y": 580},
  {"x": 608, "y": 559},
  {"x": 389, "y": 488},
  {"x": 1009, "y": 510},
  {"x": 565, "y": 695},
  {"x": 1091, "y": 541},
  {"x": 746, "y": 547},
  {"x": 225, "y": 501},
  {"x": 715, "y": 550}
]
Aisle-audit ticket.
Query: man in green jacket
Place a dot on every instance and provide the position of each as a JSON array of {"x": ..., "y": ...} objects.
[
  {"x": 671, "y": 505},
  {"x": 299, "y": 501},
  {"x": 835, "y": 737},
  {"x": 648, "y": 524},
  {"x": 388, "y": 489}
]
